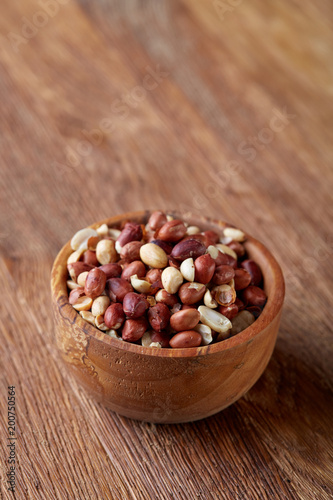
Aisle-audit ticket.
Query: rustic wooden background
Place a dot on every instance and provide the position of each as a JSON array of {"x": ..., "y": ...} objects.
[{"x": 221, "y": 107}]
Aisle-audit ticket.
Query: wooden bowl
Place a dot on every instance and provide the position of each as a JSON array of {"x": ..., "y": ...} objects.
[{"x": 167, "y": 385}]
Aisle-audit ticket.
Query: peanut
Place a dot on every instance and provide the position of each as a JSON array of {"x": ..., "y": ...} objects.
[
  {"x": 166, "y": 275},
  {"x": 242, "y": 279},
  {"x": 117, "y": 288},
  {"x": 88, "y": 316},
  {"x": 134, "y": 268},
  {"x": 187, "y": 269},
  {"x": 80, "y": 239},
  {"x": 223, "y": 274},
  {"x": 131, "y": 232},
  {"x": 106, "y": 252},
  {"x": 154, "y": 276},
  {"x": 157, "y": 220},
  {"x": 224, "y": 294},
  {"x": 205, "y": 332},
  {"x": 141, "y": 286},
  {"x": 131, "y": 251},
  {"x": 189, "y": 338},
  {"x": 241, "y": 321},
  {"x": 167, "y": 247},
  {"x": 190, "y": 293},
  {"x": 192, "y": 230},
  {"x": 75, "y": 294},
  {"x": 166, "y": 298},
  {"x": 214, "y": 319},
  {"x": 153, "y": 255},
  {"x": 99, "y": 322},
  {"x": 227, "y": 250},
  {"x": 171, "y": 279},
  {"x": 100, "y": 305},
  {"x": 159, "y": 316},
  {"x": 254, "y": 270},
  {"x": 81, "y": 279},
  {"x": 95, "y": 283},
  {"x": 234, "y": 234},
  {"x": 209, "y": 301},
  {"x": 89, "y": 257},
  {"x": 229, "y": 311},
  {"x": 75, "y": 256},
  {"x": 184, "y": 320},
  {"x": 83, "y": 303},
  {"x": 111, "y": 270},
  {"x": 76, "y": 268}
]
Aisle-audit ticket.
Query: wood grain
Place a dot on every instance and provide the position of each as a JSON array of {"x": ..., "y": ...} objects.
[{"x": 204, "y": 140}]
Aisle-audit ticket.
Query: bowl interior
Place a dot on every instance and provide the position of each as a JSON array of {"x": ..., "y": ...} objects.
[{"x": 273, "y": 285}]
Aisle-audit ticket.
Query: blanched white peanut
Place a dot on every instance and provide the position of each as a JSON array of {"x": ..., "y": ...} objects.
[
  {"x": 241, "y": 321},
  {"x": 106, "y": 252},
  {"x": 81, "y": 279},
  {"x": 88, "y": 316},
  {"x": 71, "y": 284},
  {"x": 146, "y": 340},
  {"x": 100, "y": 305},
  {"x": 114, "y": 233},
  {"x": 192, "y": 230},
  {"x": 234, "y": 234},
  {"x": 103, "y": 230},
  {"x": 75, "y": 256},
  {"x": 187, "y": 269},
  {"x": 99, "y": 322},
  {"x": 205, "y": 332},
  {"x": 214, "y": 319},
  {"x": 154, "y": 256},
  {"x": 118, "y": 247},
  {"x": 155, "y": 344},
  {"x": 209, "y": 301},
  {"x": 113, "y": 333},
  {"x": 80, "y": 239},
  {"x": 227, "y": 250},
  {"x": 171, "y": 279},
  {"x": 141, "y": 286}
]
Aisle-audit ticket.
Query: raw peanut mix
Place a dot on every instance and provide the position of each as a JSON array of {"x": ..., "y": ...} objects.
[{"x": 164, "y": 284}]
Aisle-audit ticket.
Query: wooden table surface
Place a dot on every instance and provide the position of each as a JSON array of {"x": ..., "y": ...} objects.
[{"x": 216, "y": 107}]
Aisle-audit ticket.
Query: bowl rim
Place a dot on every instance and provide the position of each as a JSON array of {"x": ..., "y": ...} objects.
[{"x": 271, "y": 309}]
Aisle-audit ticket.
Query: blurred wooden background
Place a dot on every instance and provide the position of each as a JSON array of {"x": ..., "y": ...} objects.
[{"x": 220, "y": 107}]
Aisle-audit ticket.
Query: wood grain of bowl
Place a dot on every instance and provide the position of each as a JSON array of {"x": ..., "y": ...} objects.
[{"x": 167, "y": 385}]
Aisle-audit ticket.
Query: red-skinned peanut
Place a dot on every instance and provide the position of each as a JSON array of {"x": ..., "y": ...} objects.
[
  {"x": 254, "y": 270},
  {"x": 117, "y": 288},
  {"x": 204, "y": 268},
  {"x": 254, "y": 296},
  {"x": 134, "y": 329},
  {"x": 114, "y": 316},
  {"x": 242, "y": 279}
]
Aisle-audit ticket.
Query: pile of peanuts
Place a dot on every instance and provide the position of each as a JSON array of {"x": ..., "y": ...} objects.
[{"x": 164, "y": 284}]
